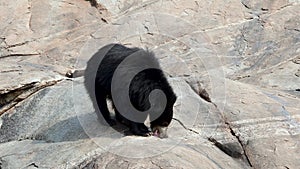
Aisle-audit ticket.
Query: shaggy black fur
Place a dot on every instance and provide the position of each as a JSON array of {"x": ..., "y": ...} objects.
[{"x": 140, "y": 87}]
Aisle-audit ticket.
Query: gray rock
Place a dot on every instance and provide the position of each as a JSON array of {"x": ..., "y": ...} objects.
[{"x": 48, "y": 124}]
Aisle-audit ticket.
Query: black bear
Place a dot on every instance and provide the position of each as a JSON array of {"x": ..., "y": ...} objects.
[{"x": 140, "y": 87}]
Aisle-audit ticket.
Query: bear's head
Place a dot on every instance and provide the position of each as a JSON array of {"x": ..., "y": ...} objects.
[{"x": 160, "y": 125}]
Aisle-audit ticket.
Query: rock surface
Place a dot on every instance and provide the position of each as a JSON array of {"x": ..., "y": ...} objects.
[{"x": 233, "y": 65}]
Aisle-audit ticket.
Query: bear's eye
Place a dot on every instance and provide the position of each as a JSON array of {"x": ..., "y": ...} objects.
[{"x": 165, "y": 124}]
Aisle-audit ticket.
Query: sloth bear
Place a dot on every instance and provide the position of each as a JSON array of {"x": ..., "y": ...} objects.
[{"x": 139, "y": 71}]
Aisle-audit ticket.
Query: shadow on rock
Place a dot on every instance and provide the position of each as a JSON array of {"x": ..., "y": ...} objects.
[
  {"x": 76, "y": 128},
  {"x": 65, "y": 130}
]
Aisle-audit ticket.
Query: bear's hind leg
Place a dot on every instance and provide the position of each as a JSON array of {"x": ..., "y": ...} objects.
[{"x": 101, "y": 101}]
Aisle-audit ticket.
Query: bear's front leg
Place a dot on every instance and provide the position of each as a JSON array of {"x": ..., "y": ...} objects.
[{"x": 140, "y": 129}]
